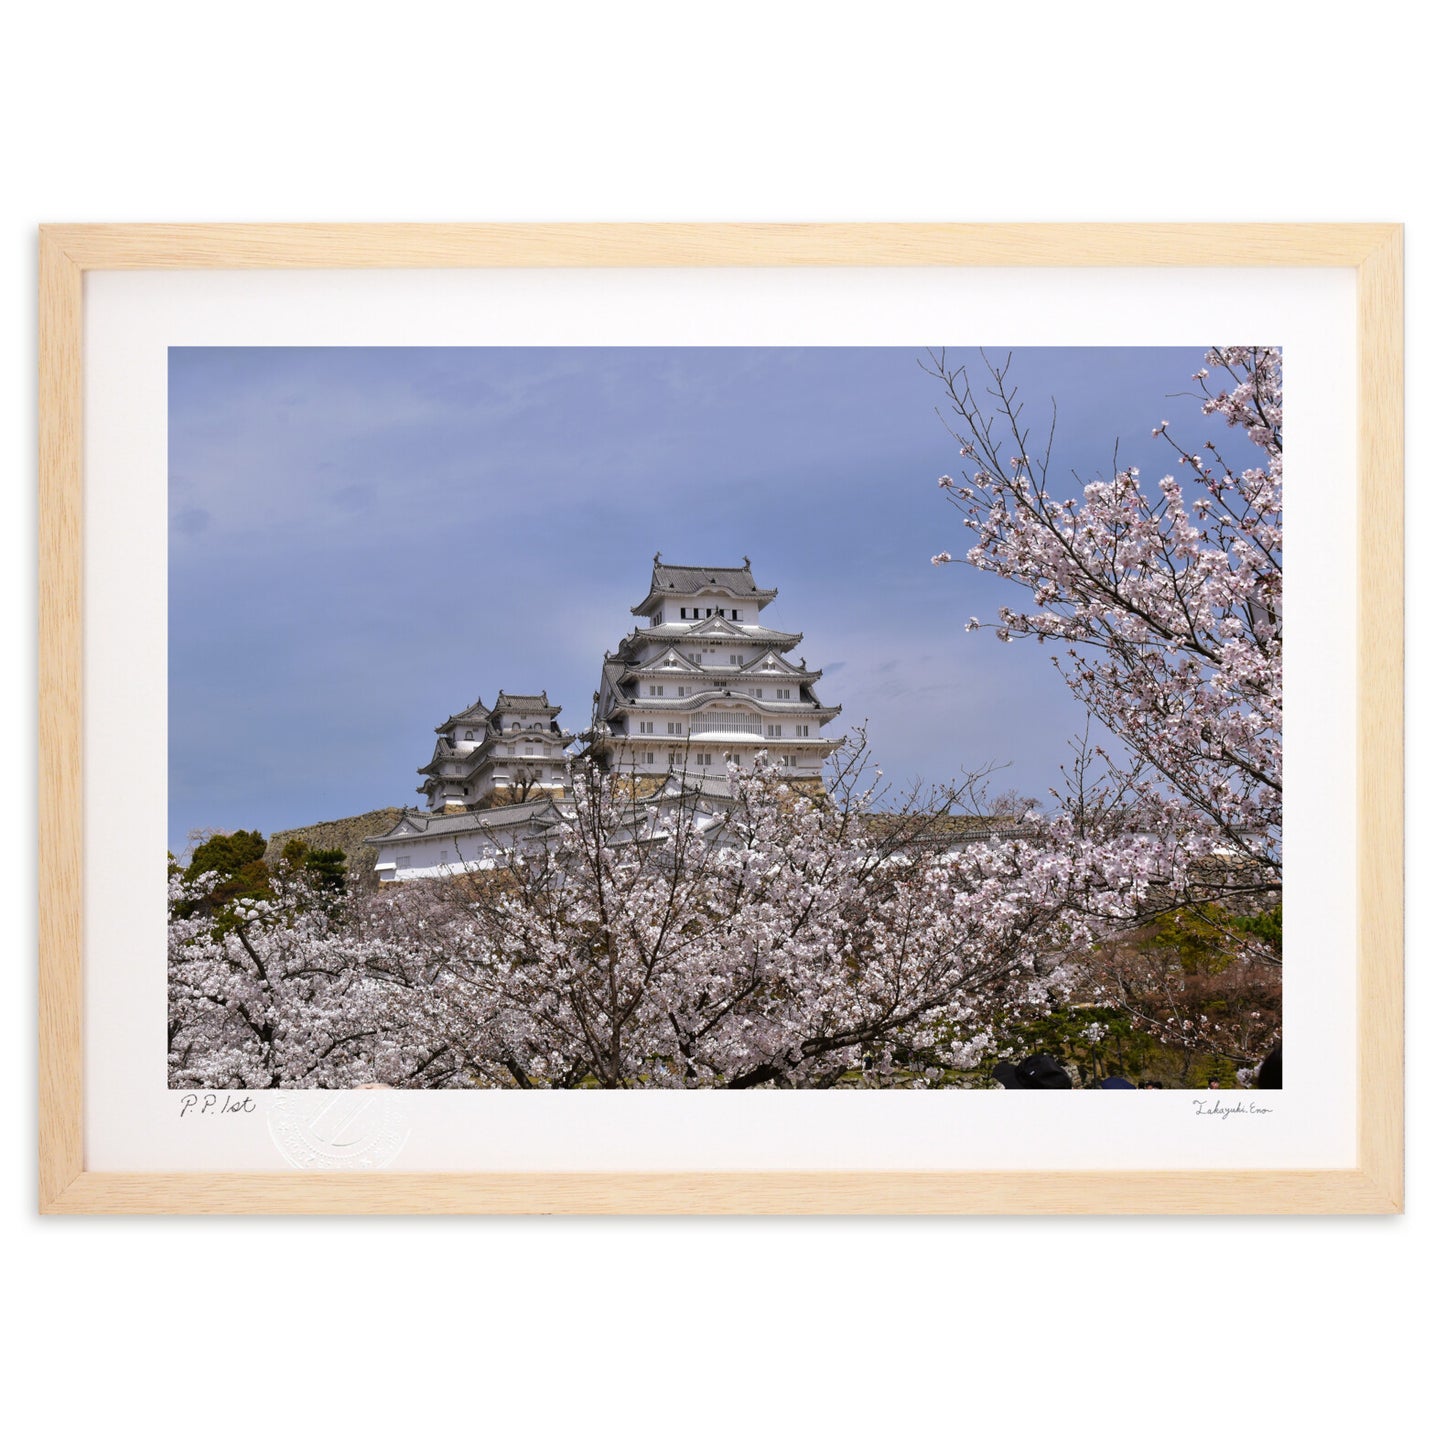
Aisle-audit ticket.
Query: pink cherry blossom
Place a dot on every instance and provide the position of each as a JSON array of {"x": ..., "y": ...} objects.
[{"x": 1169, "y": 611}]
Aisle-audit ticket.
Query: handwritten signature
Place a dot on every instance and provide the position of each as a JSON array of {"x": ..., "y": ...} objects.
[
  {"x": 216, "y": 1106},
  {"x": 1223, "y": 1111}
]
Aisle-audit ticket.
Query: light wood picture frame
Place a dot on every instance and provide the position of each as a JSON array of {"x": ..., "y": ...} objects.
[{"x": 1373, "y": 252}]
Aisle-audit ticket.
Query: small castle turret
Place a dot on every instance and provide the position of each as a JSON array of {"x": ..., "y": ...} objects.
[{"x": 509, "y": 752}]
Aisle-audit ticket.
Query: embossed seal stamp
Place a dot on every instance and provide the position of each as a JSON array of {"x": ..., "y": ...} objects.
[{"x": 352, "y": 1129}]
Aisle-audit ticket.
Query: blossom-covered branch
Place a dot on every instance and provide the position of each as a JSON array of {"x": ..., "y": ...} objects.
[
  {"x": 783, "y": 939},
  {"x": 1166, "y": 601}
]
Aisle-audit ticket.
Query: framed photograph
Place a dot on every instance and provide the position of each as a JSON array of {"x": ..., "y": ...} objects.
[{"x": 440, "y": 810}]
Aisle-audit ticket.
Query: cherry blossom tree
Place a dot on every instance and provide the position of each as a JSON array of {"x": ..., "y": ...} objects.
[
  {"x": 1165, "y": 600},
  {"x": 270, "y": 997},
  {"x": 777, "y": 941},
  {"x": 765, "y": 938}
]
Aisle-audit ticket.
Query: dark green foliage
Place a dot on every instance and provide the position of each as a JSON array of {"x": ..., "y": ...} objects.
[
  {"x": 237, "y": 859},
  {"x": 226, "y": 853},
  {"x": 1267, "y": 927},
  {"x": 1206, "y": 940},
  {"x": 325, "y": 868},
  {"x": 1098, "y": 1041}
]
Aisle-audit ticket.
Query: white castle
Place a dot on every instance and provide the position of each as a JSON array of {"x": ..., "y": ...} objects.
[
  {"x": 702, "y": 684},
  {"x": 508, "y": 752}
]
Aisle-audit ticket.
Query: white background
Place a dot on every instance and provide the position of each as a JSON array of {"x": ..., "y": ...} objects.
[{"x": 1025, "y": 1329}]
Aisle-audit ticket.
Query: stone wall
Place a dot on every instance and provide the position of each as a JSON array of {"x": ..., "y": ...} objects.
[{"x": 343, "y": 833}]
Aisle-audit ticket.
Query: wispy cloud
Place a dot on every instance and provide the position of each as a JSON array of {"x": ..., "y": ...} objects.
[{"x": 363, "y": 539}]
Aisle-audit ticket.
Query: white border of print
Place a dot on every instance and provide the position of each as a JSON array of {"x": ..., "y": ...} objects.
[{"x": 133, "y": 1122}]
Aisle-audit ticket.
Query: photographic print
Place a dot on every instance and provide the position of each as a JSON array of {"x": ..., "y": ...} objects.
[{"x": 725, "y": 718}]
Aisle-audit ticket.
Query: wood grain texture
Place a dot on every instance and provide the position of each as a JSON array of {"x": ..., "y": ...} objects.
[
  {"x": 1380, "y": 775},
  {"x": 1375, "y": 252},
  {"x": 974, "y": 1192},
  {"x": 115, "y": 248},
  {"x": 61, "y": 554}
]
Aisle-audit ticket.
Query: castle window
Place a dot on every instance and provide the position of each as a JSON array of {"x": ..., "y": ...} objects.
[
  {"x": 802, "y": 730},
  {"x": 735, "y": 614},
  {"x": 529, "y": 750},
  {"x": 404, "y": 861},
  {"x": 644, "y": 727},
  {"x": 785, "y": 692},
  {"x": 682, "y": 692},
  {"x": 468, "y": 738},
  {"x": 675, "y": 728},
  {"x": 647, "y": 757},
  {"x": 775, "y": 730},
  {"x": 705, "y": 759}
]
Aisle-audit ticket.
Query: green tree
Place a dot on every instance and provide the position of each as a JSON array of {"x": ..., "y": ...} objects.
[
  {"x": 238, "y": 860},
  {"x": 324, "y": 869}
]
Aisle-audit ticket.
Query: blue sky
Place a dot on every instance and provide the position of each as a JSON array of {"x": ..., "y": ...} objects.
[{"x": 362, "y": 541}]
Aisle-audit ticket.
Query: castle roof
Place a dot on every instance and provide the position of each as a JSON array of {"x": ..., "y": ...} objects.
[
  {"x": 485, "y": 754},
  {"x": 675, "y": 784},
  {"x": 419, "y": 825},
  {"x": 525, "y": 702},
  {"x": 672, "y": 664},
  {"x": 669, "y": 580},
  {"x": 800, "y": 711},
  {"x": 479, "y": 712},
  {"x": 710, "y": 628}
]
